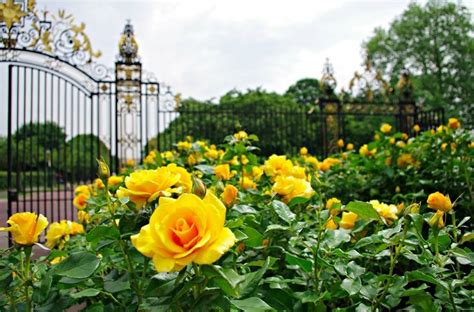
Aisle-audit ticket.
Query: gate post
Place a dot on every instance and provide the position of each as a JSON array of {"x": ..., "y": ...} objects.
[
  {"x": 128, "y": 78},
  {"x": 10, "y": 193}
]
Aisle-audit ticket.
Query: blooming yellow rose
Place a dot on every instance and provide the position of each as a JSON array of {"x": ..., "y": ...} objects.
[
  {"x": 313, "y": 161},
  {"x": 185, "y": 230},
  {"x": 192, "y": 160},
  {"x": 212, "y": 153},
  {"x": 277, "y": 165},
  {"x": 223, "y": 172},
  {"x": 385, "y": 128},
  {"x": 350, "y": 146},
  {"x": 453, "y": 123},
  {"x": 439, "y": 202},
  {"x": 290, "y": 187},
  {"x": 25, "y": 227},
  {"x": 146, "y": 185},
  {"x": 80, "y": 201},
  {"x": 257, "y": 172},
  {"x": 416, "y": 128},
  {"x": 387, "y": 212},
  {"x": 230, "y": 194},
  {"x": 348, "y": 220},
  {"x": 303, "y": 151}
]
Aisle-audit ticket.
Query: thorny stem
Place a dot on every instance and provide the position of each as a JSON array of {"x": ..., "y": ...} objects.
[{"x": 27, "y": 279}]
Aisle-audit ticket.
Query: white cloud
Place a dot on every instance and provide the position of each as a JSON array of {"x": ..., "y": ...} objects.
[{"x": 207, "y": 47}]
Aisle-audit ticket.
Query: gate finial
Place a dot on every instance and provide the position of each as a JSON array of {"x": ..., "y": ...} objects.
[{"x": 128, "y": 46}]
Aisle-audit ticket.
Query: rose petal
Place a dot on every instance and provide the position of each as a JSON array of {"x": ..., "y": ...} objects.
[{"x": 213, "y": 252}]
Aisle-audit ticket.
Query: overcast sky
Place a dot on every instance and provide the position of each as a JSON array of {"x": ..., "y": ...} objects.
[{"x": 204, "y": 48}]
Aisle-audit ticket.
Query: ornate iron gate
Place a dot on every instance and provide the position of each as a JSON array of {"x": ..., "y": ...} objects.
[{"x": 64, "y": 110}]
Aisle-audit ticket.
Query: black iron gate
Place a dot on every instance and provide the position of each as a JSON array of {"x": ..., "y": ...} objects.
[{"x": 63, "y": 110}]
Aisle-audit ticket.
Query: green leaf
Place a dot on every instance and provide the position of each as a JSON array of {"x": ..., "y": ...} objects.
[
  {"x": 252, "y": 304},
  {"x": 226, "y": 280},
  {"x": 100, "y": 232},
  {"x": 466, "y": 238},
  {"x": 304, "y": 264},
  {"x": 89, "y": 292},
  {"x": 254, "y": 237},
  {"x": 206, "y": 169},
  {"x": 243, "y": 209},
  {"x": 297, "y": 200},
  {"x": 352, "y": 286},
  {"x": 116, "y": 286},
  {"x": 251, "y": 280},
  {"x": 364, "y": 210},
  {"x": 283, "y": 211},
  {"x": 420, "y": 276},
  {"x": 78, "y": 265}
]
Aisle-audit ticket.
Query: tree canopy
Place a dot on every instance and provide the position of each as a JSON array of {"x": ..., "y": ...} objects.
[{"x": 435, "y": 43}]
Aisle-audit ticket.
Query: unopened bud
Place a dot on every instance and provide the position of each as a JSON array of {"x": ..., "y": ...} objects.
[
  {"x": 199, "y": 188},
  {"x": 103, "y": 171}
]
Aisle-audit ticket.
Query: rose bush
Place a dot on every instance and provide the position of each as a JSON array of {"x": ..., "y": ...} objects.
[{"x": 382, "y": 226}]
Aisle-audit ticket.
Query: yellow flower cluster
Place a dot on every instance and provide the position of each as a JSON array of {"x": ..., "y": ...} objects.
[
  {"x": 184, "y": 230},
  {"x": 387, "y": 212}
]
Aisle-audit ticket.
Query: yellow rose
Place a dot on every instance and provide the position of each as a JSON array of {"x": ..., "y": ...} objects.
[
  {"x": 146, "y": 185},
  {"x": 115, "y": 180},
  {"x": 82, "y": 189},
  {"x": 303, "y": 151},
  {"x": 130, "y": 163},
  {"x": 240, "y": 135},
  {"x": 400, "y": 144},
  {"x": 244, "y": 160},
  {"x": 364, "y": 151},
  {"x": 331, "y": 225},
  {"x": 99, "y": 184},
  {"x": 276, "y": 165},
  {"x": 404, "y": 160},
  {"x": 332, "y": 202},
  {"x": 223, "y": 172},
  {"x": 385, "y": 128},
  {"x": 57, "y": 234},
  {"x": 230, "y": 194},
  {"x": 290, "y": 187},
  {"x": 212, "y": 153},
  {"x": 453, "y": 123},
  {"x": 348, "y": 220},
  {"x": 80, "y": 201},
  {"x": 185, "y": 230},
  {"x": 387, "y": 212},
  {"x": 76, "y": 228},
  {"x": 328, "y": 163},
  {"x": 185, "y": 180},
  {"x": 313, "y": 161},
  {"x": 25, "y": 227},
  {"x": 184, "y": 145},
  {"x": 340, "y": 143},
  {"x": 192, "y": 160},
  {"x": 168, "y": 155},
  {"x": 83, "y": 216},
  {"x": 247, "y": 183},
  {"x": 416, "y": 128},
  {"x": 257, "y": 172},
  {"x": 439, "y": 202},
  {"x": 405, "y": 136},
  {"x": 350, "y": 147}
]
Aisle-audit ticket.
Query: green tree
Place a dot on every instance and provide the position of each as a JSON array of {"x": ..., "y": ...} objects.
[
  {"x": 305, "y": 91},
  {"x": 279, "y": 121},
  {"x": 49, "y": 134},
  {"x": 435, "y": 43}
]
